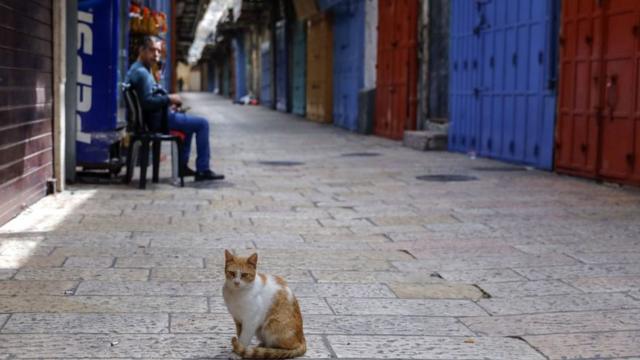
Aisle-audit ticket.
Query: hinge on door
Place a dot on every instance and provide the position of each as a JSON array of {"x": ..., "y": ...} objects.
[
  {"x": 536, "y": 150},
  {"x": 512, "y": 147},
  {"x": 492, "y": 61},
  {"x": 514, "y": 59},
  {"x": 599, "y": 2},
  {"x": 636, "y": 30},
  {"x": 489, "y": 144},
  {"x": 540, "y": 57},
  {"x": 551, "y": 84}
]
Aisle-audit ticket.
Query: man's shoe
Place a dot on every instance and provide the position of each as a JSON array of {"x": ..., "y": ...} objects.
[
  {"x": 208, "y": 175},
  {"x": 188, "y": 172}
]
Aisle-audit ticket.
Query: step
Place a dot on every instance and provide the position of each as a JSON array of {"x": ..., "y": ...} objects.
[{"x": 425, "y": 140}]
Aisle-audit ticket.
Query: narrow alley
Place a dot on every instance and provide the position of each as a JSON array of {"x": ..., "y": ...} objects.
[{"x": 393, "y": 253}]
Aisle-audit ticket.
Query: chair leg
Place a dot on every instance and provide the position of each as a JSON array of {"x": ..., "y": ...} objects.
[
  {"x": 156, "y": 161},
  {"x": 132, "y": 154},
  {"x": 181, "y": 165},
  {"x": 144, "y": 163}
]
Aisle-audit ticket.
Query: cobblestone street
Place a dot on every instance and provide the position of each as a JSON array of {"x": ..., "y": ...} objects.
[{"x": 514, "y": 264}]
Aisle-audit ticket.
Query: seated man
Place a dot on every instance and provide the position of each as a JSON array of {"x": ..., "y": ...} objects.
[{"x": 155, "y": 100}]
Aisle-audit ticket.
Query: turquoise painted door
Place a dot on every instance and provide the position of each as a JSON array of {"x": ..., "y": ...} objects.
[{"x": 299, "y": 60}]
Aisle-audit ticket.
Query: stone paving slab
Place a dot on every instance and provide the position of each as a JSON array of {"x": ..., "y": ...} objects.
[
  {"x": 108, "y": 238},
  {"x": 28, "y": 287},
  {"x": 588, "y": 346},
  {"x": 437, "y": 291},
  {"x": 328, "y": 254},
  {"x": 576, "y": 271},
  {"x": 150, "y": 288},
  {"x": 527, "y": 288},
  {"x": 488, "y": 262},
  {"x": 83, "y": 274},
  {"x": 312, "y": 306},
  {"x": 607, "y": 284},
  {"x": 418, "y": 307},
  {"x": 481, "y": 275},
  {"x": 375, "y": 277},
  {"x": 26, "y": 261},
  {"x": 165, "y": 346},
  {"x": 87, "y": 324},
  {"x": 20, "y": 246},
  {"x": 89, "y": 262},
  {"x": 175, "y": 261},
  {"x": 341, "y": 290},
  {"x": 190, "y": 323},
  {"x": 384, "y": 325},
  {"x": 359, "y": 239},
  {"x": 555, "y": 323},
  {"x": 98, "y": 251},
  {"x": 609, "y": 258},
  {"x": 312, "y": 246},
  {"x": 102, "y": 304},
  {"x": 420, "y": 347},
  {"x": 539, "y": 304}
]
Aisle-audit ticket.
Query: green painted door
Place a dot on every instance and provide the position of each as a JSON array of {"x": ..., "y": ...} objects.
[{"x": 299, "y": 61}]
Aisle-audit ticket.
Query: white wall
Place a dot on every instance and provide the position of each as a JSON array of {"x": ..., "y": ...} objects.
[
  {"x": 195, "y": 80},
  {"x": 183, "y": 71},
  {"x": 370, "y": 43}
]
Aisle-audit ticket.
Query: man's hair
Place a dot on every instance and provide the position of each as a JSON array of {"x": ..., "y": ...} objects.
[{"x": 148, "y": 40}]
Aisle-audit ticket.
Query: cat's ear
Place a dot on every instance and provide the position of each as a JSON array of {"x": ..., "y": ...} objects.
[
  {"x": 253, "y": 259},
  {"x": 228, "y": 257}
]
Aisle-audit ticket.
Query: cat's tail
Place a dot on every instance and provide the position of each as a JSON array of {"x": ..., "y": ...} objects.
[{"x": 267, "y": 353}]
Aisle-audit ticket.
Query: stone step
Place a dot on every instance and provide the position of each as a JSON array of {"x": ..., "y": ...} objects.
[{"x": 425, "y": 140}]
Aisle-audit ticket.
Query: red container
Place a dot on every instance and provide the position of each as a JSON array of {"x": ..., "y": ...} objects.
[
  {"x": 396, "y": 90},
  {"x": 598, "y": 130}
]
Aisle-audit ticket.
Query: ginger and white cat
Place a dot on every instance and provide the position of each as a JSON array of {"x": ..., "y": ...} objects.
[{"x": 264, "y": 306}]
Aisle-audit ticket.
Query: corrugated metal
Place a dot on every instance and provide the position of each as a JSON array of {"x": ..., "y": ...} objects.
[
  {"x": 26, "y": 150},
  {"x": 503, "y": 57},
  {"x": 396, "y": 91},
  {"x": 282, "y": 59},
  {"x": 266, "y": 71},
  {"x": 299, "y": 63},
  {"x": 319, "y": 69},
  {"x": 598, "y": 133},
  {"x": 348, "y": 65},
  {"x": 240, "y": 66}
]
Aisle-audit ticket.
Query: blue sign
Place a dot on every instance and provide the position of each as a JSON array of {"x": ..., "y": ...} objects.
[{"x": 97, "y": 84}]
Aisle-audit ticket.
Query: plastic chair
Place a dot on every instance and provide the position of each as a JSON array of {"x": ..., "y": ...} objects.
[{"x": 141, "y": 139}]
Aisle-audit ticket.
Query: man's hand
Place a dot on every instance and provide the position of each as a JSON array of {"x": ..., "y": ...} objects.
[{"x": 175, "y": 99}]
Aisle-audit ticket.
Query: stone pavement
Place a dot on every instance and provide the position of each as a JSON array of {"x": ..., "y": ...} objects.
[{"x": 513, "y": 265}]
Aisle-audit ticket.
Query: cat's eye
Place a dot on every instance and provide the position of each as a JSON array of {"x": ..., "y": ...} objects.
[
  {"x": 245, "y": 275},
  {"x": 231, "y": 273}
]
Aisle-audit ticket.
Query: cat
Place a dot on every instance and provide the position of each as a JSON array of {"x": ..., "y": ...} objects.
[{"x": 264, "y": 306}]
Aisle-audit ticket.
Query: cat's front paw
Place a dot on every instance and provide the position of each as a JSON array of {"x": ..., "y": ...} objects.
[{"x": 237, "y": 347}]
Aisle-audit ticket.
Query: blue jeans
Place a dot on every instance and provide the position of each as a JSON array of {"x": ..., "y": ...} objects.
[{"x": 189, "y": 125}]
